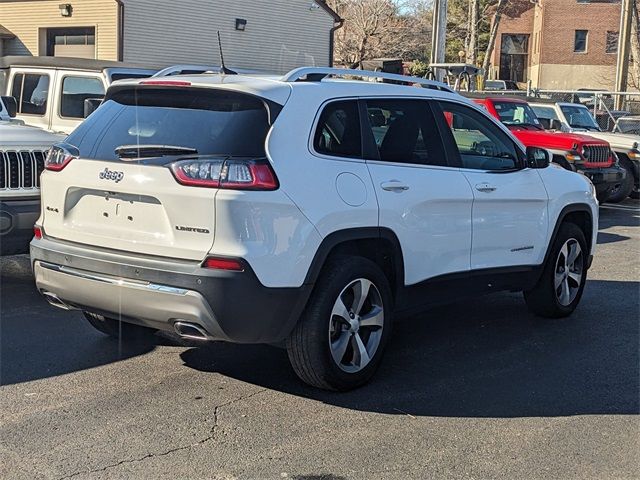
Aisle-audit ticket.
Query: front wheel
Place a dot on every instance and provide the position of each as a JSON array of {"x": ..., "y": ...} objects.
[
  {"x": 627, "y": 185},
  {"x": 562, "y": 282},
  {"x": 339, "y": 340}
]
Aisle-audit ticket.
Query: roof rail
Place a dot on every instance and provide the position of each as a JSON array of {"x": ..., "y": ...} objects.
[{"x": 317, "y": 74}]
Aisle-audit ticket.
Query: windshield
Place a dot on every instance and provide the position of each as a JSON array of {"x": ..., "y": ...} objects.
[
  {"x": 630, "y": 125},
  {"x": 579, "y": 117},
  {"x": 512, "y": 113},
  {"x": 209, "y": 121}
]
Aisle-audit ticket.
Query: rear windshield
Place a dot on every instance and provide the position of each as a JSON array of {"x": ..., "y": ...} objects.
[{"x": 209, "y": 121}]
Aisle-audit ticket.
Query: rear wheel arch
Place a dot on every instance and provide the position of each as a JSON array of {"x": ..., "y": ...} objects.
[{"x": 379, "y": 245}]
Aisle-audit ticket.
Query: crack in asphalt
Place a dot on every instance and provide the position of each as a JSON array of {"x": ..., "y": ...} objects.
[{"x": 210, "y": 437}]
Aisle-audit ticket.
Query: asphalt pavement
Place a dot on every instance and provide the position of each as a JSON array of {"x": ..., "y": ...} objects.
[{"x": 480, "y": 389}]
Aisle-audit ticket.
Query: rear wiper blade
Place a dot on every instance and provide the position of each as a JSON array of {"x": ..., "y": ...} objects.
[{"x": 150, "y": 151}]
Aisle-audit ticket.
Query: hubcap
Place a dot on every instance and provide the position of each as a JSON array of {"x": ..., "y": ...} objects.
[
  {"x": 568, "y": 272},
  {"x": 355, "y": 326}
]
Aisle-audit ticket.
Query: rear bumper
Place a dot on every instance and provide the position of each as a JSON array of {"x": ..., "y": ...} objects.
[
  {"x": 154, "y": 292},
  {"x": 17, "y": 218},
  {"x": 606, "y": 180}
]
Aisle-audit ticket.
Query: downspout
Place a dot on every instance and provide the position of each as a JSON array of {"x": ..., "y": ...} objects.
[
  {"x": 120, "y": 34},
  {"x": 332, "y": 39}
]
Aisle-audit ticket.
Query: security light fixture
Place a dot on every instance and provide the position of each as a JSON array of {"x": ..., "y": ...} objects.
[
  {"x": 241, "y": 24},
  {"x": 65, "y": 9}
]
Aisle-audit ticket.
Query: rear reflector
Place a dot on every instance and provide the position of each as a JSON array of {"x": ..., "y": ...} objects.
[
  {"x": 218, "y": 263},
  {"x": 37, "y": 232}
]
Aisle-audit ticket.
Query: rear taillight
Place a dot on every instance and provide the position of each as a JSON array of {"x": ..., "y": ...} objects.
[
  {"x": 219, "y": 263},
  {"x": 59, "y": 156},
  {"x": 234, "y": 174},
  {"x": 37, "y": 232}
]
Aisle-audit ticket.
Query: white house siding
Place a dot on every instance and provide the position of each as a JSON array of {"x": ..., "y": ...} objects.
[{"x": 279, "y": 35}]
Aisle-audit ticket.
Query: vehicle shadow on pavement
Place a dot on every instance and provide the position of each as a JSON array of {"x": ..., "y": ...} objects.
[
  {"x": 39, "y": 341},
  {"x": 482, "y": 358}
]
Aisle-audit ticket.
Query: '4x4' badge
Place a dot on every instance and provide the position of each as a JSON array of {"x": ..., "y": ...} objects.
[{"x": 107, "y": 174}]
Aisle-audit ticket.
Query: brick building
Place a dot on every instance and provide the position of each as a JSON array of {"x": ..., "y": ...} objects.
[{"x": 559, "y": 44}]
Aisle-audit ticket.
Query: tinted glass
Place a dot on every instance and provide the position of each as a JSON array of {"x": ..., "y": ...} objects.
[
  {"x": 210, "y": 121},
  {"x": 580, "y": 41},
  {"x": 338, "y": 130},
  {"x": 481, "y": 144},
  {"x": 512, "y": 113},
  {"x": 31, "y": 92},
  {"x": 405, "y": 132},
  {"x": 75, "y": 90}
]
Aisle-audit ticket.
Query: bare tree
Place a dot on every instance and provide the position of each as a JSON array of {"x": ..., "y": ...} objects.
[
  {"x": 471, "y": 46},
  {"x": 493, "y": 33},
  {"x": 635, "y": 47}
]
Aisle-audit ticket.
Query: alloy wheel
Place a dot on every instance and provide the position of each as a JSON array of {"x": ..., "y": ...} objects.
[
  {"x": 568, "y": 272},
  {"x": 356, "y": 324}
]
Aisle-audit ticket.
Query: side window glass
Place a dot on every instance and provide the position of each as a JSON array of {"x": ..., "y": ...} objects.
[
  {"x": 31, "y": 92},
  {"x": 405, "y": 132},
  {"x": 338, "y": 131},
  {"x": 481, "y": 144},
  {"x": 75, "y": 90}
]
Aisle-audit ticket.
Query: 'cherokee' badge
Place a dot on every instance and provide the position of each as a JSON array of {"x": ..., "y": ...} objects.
[{"x": 107, "y": 174}]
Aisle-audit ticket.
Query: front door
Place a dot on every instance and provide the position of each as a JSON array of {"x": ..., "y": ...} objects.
[
  {"x": 510, "y": 219},
  {"x": 421, "y": 198}
]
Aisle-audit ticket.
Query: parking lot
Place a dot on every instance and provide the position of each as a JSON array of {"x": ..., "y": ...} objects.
[{"x": 477, "y": 390}]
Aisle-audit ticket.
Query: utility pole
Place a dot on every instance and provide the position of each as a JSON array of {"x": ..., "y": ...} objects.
[
  {"x": 624, "y": 43},
  {"x": 439, "y": 34}
]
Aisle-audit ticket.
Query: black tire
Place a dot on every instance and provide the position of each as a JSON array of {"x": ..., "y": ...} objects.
[
  {"x": 627, "y": 185},
  {"x": 543, "y": 299},
  {"x": 119, "y": 330},
  {"x": 309, "y": 345}
]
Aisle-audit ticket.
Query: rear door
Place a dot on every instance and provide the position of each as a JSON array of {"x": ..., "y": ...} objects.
[
  {"x": 136, "y": 204},
  {"x": 510, "y": 219},
  {"x": 71, "y": 91},
  {"x": 426, "y": 202}
]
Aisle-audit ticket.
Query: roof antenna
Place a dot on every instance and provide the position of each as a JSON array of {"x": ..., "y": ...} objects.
[{"x": 223, "y": 69}]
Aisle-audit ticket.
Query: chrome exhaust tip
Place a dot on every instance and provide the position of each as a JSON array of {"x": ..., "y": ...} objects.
[
  {"x": 191, "y": 331},
  {"x": 56, "y": 301}
]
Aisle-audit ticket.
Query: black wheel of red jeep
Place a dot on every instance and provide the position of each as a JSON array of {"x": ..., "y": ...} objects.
[
  {"x": 627, "y": 185},
  {"x": 340, "y": 338},
  {"x": 562, "y": 282},
  {"x": 117, "y": 329}
]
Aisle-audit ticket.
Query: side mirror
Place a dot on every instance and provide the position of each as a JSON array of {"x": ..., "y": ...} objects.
[
  {"x": 537, "y": 157},
  {"x": 12, "y": 106},
  {"x": 91, "y": 105},
  {"x": 545, "y": 122}
]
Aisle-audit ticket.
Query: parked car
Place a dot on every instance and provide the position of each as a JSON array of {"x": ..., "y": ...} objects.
[
  {"x": 501, "y": 85},
  {"x": 57, "y": 93},
  {"x": 576, "y": 152},
  {"x": 285, "y": 210},
  {"x": 628, "y": 124},
  {"x": 571, "y": 117},
  {"x": 22, "y": 152}
]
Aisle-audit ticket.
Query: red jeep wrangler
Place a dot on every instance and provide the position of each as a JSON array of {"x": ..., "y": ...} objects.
[{"x": 579, "y": 153}]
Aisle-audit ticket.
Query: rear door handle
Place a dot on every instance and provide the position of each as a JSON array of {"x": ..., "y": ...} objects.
[
  {"x": 394, "y": 186},
  {"x": 485, "y": 187}
]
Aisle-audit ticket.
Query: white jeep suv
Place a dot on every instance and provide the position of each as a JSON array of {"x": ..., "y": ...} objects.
[{"x": 304, "y": 210}]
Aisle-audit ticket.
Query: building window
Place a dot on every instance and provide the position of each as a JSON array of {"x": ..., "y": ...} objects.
[
  {"x": 71, "y": 42},
  {"x": 612, "y": 42},
  {"x": 514, "y": 57},
  {"x": 580, "y": 41}
]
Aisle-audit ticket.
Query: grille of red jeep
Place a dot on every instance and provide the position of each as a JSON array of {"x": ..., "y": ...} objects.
[{"x": 596, "y": 154}]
